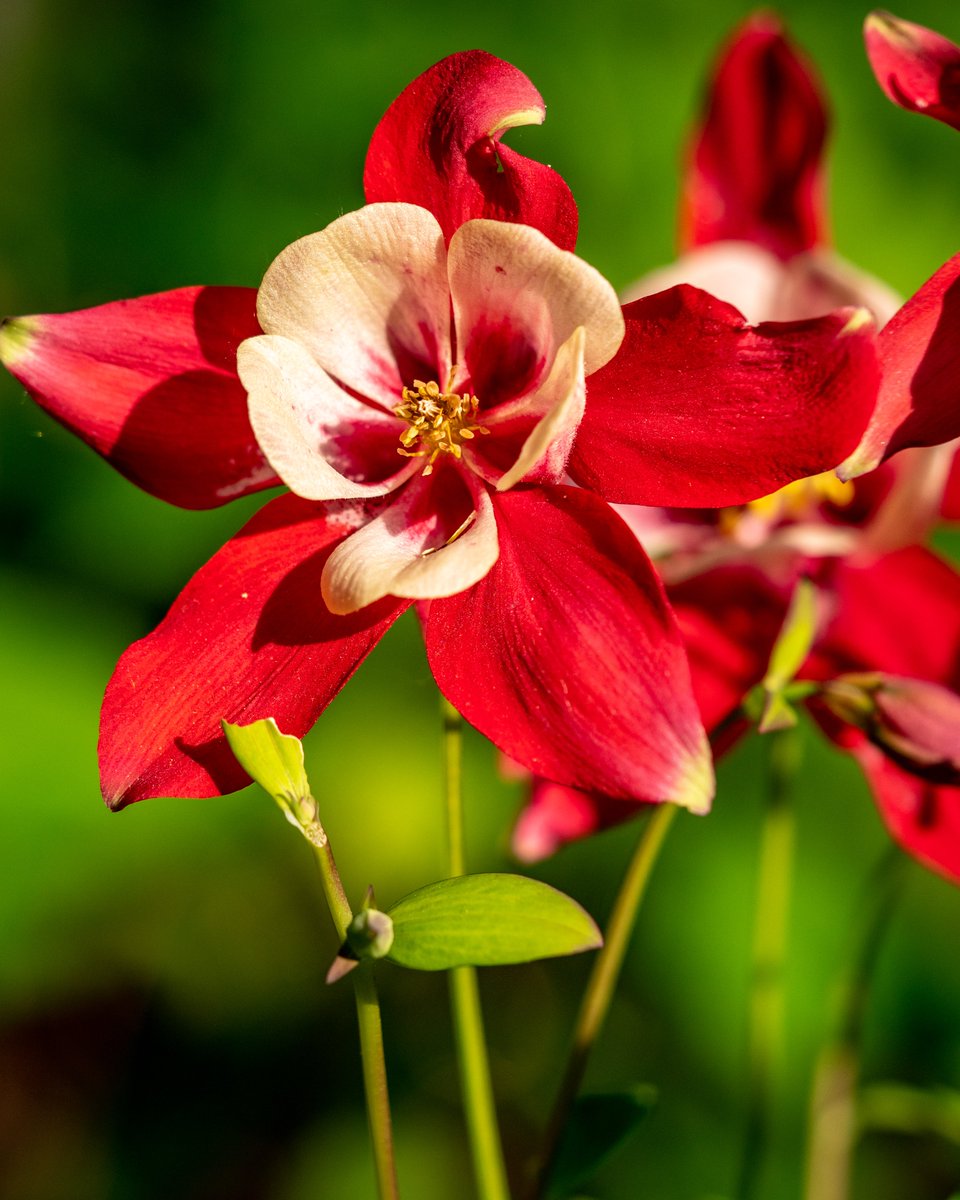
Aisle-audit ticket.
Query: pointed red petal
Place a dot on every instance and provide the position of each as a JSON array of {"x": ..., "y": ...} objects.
[
  {"x": 248, "y": 638},
  {"x": 919, "y": 400},
  {"x": 555, "y": 815},
  {"x": 151, "y": 384},
  {"x": 438, "y": 145},
  {"x": 917, "y": 68},
  {"x": 754, "y": 172},
  {"x": 568, "y": 658},
  {"x": 698, "y": 409}
]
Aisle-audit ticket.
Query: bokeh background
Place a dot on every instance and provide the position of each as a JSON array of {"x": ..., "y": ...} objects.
[{"x": 164, "y": 1026}]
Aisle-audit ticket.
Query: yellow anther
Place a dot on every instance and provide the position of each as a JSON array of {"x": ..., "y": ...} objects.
[
  {"x": 437, "y": 422},
  {"x": 796, "y": 502}
]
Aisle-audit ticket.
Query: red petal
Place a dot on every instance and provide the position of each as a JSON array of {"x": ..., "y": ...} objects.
[
  {"x": 917, "y": 68},
  {"x": 729, "y": 618},
  {"x": 567, "y": 656},
  {"x": 698, "y": 409},
  {"x": 247, "y": 638},
  {"x": 555, "y": 815},
  {"x": 919, "y": 402},
  {"x": 438, "y": 145},
  {"x": 151, "y": 384},
  {"x": 922, "y": 817},
  {"x": 754, "y": 172}
]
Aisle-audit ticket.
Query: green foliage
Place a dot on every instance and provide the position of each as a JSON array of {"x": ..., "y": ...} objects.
[
  {"x": 599, "y": 1126},
  {"x": 488, "y": 920}
]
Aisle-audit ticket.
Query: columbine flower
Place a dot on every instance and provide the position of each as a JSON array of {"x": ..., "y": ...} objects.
[
  {"x": 890, "y": 607},
  {"x": 417, "y": 373}
]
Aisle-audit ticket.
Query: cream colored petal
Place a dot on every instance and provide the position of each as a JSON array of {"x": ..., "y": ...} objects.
[
  {"x": 406, "y": 551},
  {"x": 561, "y": 399},
  {"x": 368, "y": 297},
  {"x": 513, "y": 276},
  {"x": 323, "y": 443}
]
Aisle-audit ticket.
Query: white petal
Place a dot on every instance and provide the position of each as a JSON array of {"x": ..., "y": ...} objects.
[
  {"x": 405, "y": 551},
  {"x": 512, "y": 283},
  {"x": 561, "y": 399},
  {"x": 368, "y": 297},
  {"x": 323, "y": 443}
]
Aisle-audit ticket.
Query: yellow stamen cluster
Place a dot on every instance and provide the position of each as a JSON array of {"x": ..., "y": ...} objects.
[
  {"x": 794, "y": 502},
  {"x": 438, "y": 422}
]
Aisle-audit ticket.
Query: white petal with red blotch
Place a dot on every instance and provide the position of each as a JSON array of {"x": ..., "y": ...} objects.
[
  {"x": 566, "y": 654},
  {"x": 516, "y": 300},
  {"x": 151, "y": 384},
  {"x": 561, "y": 399},
  {"x": 322, "y": 442},
  {"x": 248, "y": 638},
  {"x": 406, "y": 550},
  {"x": 368, "y": 298}
]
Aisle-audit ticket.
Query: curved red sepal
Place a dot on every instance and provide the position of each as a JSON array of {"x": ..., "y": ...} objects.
[
  {"x": 754, "y": 170},
  {"x": 151, "y": 384},
  {"x": 919, "y": 350},
  {"x": 438, "y": 145},
  {"x": 567, "y": 657},
  {"x": 918, "y": 69},
  {"x": 698, "y": 409},
  {"x": 247, "y": 638}
]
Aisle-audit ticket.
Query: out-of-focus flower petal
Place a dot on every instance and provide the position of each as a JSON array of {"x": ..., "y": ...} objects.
[
  {"x": 754, "y": 172},
  {"x": 248, "y": 638},
  {"x": 322, "y": 442},
  {"x": 516, "y": 300},
  {"x": 555, "y": 815},
  {"x": 698, "y": 409},
  {"x": 917, "y": 68},
  {"x": 584, "y": 679},
  {"x": 368, "y": 297},
  {"x": 438, "y": 145},
  {"x": 765, "y": 288},
  {"x": 151, "y": 384},
  {"x": 919, "y": 401},
  {"x": 419, "y": 546}
]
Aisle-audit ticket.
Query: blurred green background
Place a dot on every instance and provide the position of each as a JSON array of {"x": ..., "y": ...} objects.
[{"x": 164, "y": 1026}]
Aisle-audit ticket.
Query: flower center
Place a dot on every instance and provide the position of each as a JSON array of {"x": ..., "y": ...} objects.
[{"x": 438, "y": 422}]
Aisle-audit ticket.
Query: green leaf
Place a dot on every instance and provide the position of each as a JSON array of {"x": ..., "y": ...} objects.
[
  {"x": 275, "y": 761},
  {"x": 598, "y": 1127},
  {"x": 487, "y": 920}
]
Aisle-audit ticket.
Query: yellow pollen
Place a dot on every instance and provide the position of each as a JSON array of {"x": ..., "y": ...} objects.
[
  {"x": 794, "y": 502},
  {"x": 437, "y": 422}
]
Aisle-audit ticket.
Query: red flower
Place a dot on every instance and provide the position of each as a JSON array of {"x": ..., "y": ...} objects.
[
  {"x": 891, "y": 607},
  {"x": 416, "y": 374}
]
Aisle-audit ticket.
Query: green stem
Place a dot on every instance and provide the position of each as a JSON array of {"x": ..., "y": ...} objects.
[
  {"x": 833, "y": 1107},
  {"x": 603, "y": 980},
  {"x": 480, "y": 1113},
  {"x": 769, "y": 956},
  {"x": 371, "y": 1033}
]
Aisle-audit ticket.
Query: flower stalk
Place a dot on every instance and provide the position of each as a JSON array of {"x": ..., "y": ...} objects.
[
  {"x": 769, "y": 956},
  {"x": 603, "y": 981},
  {"x": 477, "y": 1090}
]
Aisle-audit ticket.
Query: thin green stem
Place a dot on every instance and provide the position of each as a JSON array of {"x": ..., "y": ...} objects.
[
  {"x": 769, "y": 956},
  {"x": 603, "y": 980},
  {"x": 833, "y": 1107},
  {"x": 480, "y": 1113},
  {"x": 371, "y": 1033}
]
